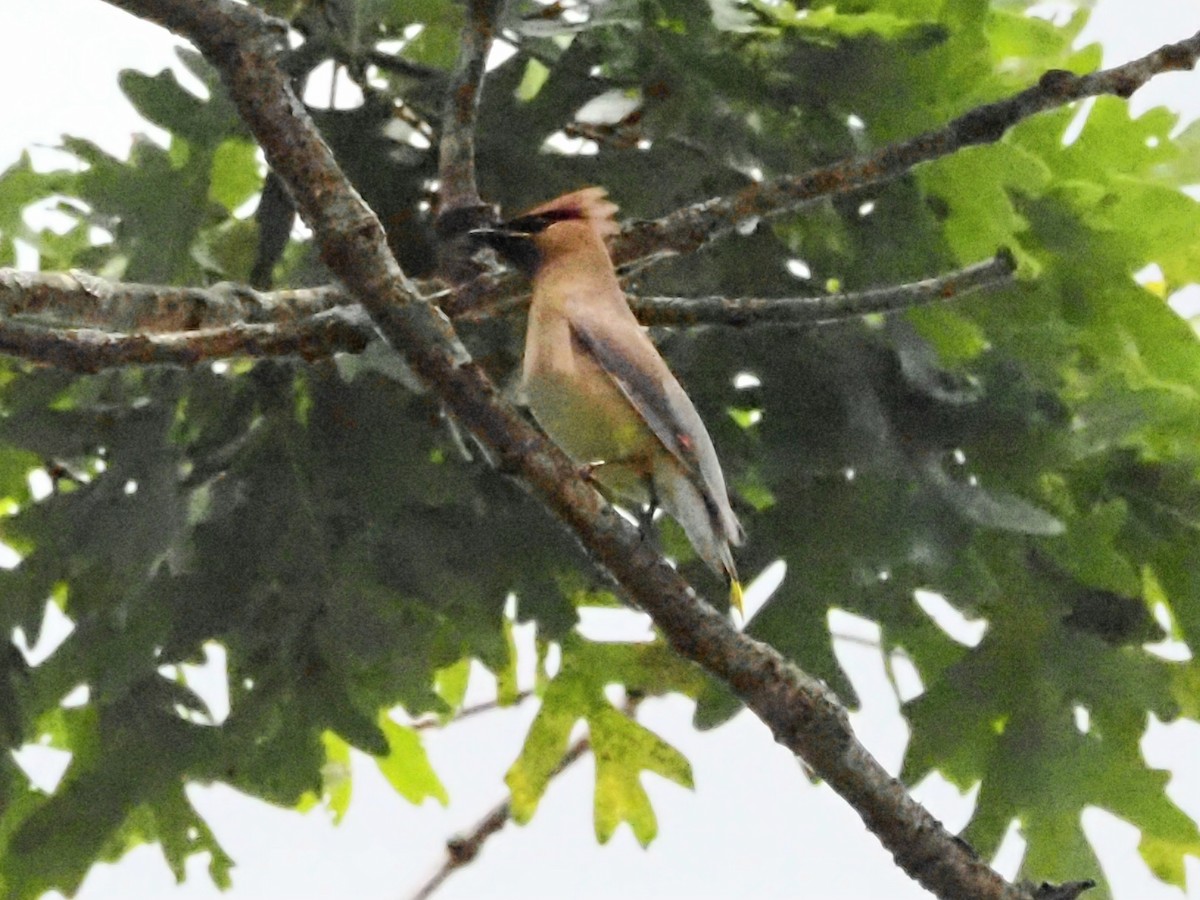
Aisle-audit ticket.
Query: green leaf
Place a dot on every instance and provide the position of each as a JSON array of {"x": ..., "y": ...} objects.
[
  {"x": 406, "y": 766},
  {"x": 544, "y": 748},
  {"x": 111, "y": 801},
  {"x": 181, "y": 833},
  {"x": 577, "y": 692},
  {"x": 20, "y": 187},
  {"x": 336, "y": 776},
  {"x": 1031, "y": 454},
  {"x": 535, "y": 76},
  {"x": 1165, "y": 856},
  {"x": 507, "y": 689},
  {"x": 975, "y": 184},
  {"x": 451, "y": 684},
  {"x": 235, "y": 175},
  {"x": 161, "y": 99},
  {"x": 437, "y": 44},
  {"x": 829, "y": 20},
  {"x": 228, "y": 250},
  {"x": 623, "y": 749},
  {"x": 161, "y": 201}
]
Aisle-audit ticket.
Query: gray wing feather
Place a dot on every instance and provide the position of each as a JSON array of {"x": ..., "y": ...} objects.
[{"x": 650, "y": 395}]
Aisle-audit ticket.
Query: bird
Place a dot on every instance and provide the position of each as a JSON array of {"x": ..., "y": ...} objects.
[{"x": 598, "y": 387}]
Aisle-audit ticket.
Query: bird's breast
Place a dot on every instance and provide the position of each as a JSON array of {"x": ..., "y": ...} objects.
[{"x": 581, "y": 408}]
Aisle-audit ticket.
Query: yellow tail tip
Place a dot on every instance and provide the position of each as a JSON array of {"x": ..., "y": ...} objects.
[{"x": 735, "y": 597}]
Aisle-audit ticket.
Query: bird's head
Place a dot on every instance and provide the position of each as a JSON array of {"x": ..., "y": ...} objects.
[{"x": 527, "y": 239}]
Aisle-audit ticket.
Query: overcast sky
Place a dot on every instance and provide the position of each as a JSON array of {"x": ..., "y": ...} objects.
[{"x": 754, "y": 826}]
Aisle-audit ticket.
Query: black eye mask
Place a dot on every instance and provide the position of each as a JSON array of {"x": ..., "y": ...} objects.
[
  {"x": 538, "y": 222},
  {"x": 513, "y": 239}
]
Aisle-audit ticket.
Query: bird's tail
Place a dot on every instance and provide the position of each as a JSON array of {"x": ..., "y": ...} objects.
[
  {"x": 711, "y": 534},
  {"x": 735, "y": 596}
]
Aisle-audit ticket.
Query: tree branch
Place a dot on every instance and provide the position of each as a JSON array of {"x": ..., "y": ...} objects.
[
  {"x": 119, "y": 323},
  {"x": 456, "y": 160},
  {"x": 459, "y": 207},
  {"x": 462, "y": 849},
  {"x": 688, "y": 229},
  {"x": 691, "y": 227},
  {"x": 87, "y": 350},
  {"x": 396, "y": 65},
  {"x": 740, "y": 311},
  {"x": 1069, "y": 891},
  {"x": 468, "y": 712},
  {"x": 78, "y": 299},
  {"x": 801, "y": 712}
]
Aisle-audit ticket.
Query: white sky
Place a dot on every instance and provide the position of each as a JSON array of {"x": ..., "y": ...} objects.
[{"x": 754, "y": 827}]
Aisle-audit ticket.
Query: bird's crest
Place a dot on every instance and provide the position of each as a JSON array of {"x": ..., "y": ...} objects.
[{"x": 589, "y": 204}]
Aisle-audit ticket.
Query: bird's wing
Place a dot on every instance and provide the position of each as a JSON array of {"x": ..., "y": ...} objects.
[{"x": 628, "y": 357}]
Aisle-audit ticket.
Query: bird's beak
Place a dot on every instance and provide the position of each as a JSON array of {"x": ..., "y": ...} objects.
[
  {"x": 498, "y": 234},
  {"x": 514, "y": 245}
]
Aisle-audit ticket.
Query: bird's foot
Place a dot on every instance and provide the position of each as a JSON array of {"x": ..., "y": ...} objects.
[
  {"x": 645, "y": 523},
  {"x": 588, "y": 470}
]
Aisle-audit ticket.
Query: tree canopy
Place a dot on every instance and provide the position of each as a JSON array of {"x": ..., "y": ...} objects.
[{"x": 239, "y": 449}]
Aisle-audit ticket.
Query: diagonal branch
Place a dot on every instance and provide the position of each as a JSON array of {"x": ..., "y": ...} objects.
[
  {"x": 462, "y": 849},
  {"x": 801, "y": 712},
  {"x": 688, "y": 229}
]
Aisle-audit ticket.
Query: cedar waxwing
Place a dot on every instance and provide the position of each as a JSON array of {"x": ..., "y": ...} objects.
[{"x": 598, "y": 386}]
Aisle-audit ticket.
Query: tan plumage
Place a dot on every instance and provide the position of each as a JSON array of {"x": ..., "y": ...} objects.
[{"x": 598, "y": 386}]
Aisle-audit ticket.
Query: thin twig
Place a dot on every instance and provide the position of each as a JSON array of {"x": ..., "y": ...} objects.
[
  {"x": 468, "y": 712},
  {"x": 461, "y": 850},
  {"x": 486, "y": 290},
  {"x": 690, "y": 228},
  {"x": 739, "y": 311},
  {"x": 459, "y": 207},
  {"x": 395, "y": 65}
]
